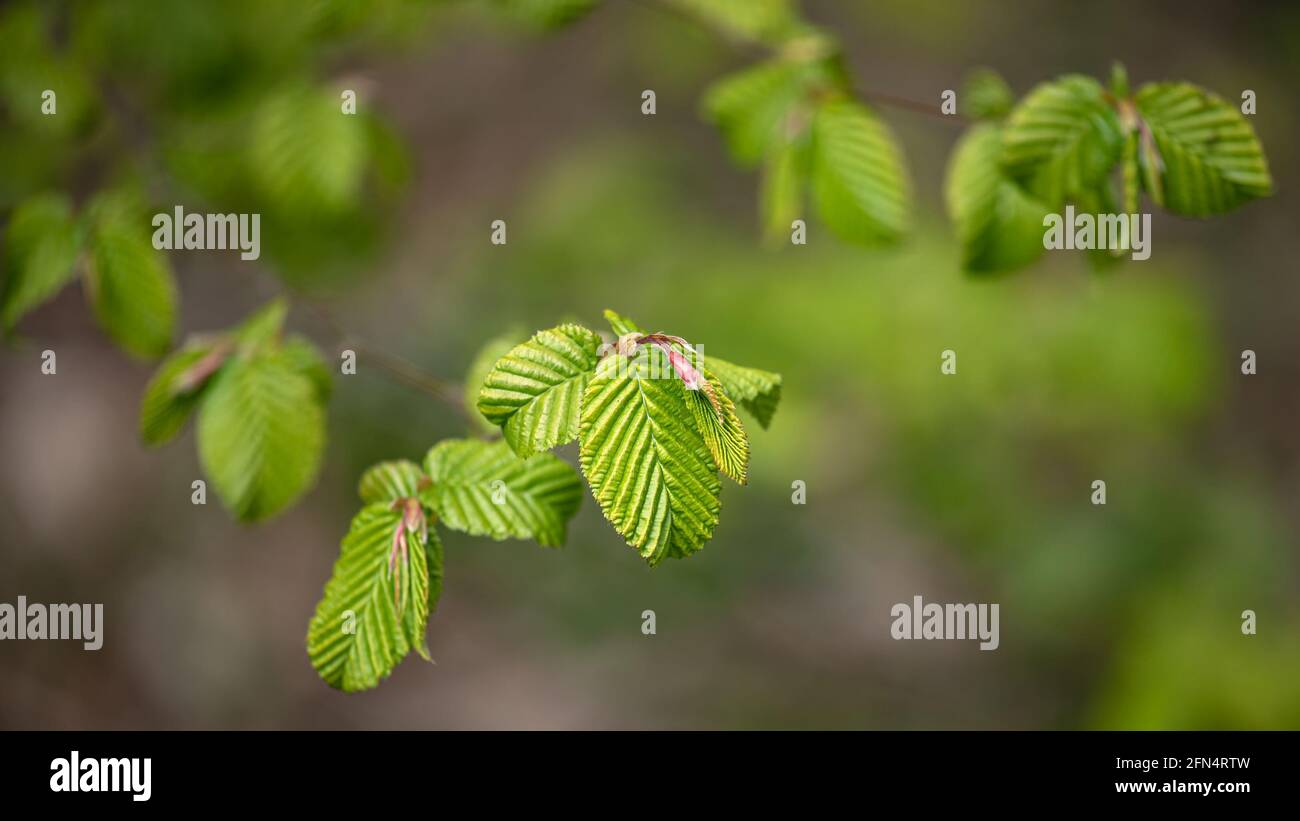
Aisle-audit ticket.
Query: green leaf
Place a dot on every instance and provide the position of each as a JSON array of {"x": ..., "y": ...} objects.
[
  {"x": 546, "y": 14},
  {"x": 484, "y": 489},
  {"x": 479, "y": 369},
  {"x": 1063, "y": 139},
  {"x": 754, "y": 108},
  {"x": 999, "y": 225},
  {"x": 261, "y": 432},
  {"x": 985, "y": 95},
  {"x": 1206, "y": 158},
  {"x": 307, "y": 360},
  {"x": 621, "y": 324},
  {"x": 646, "y": 461},
  {"x": 263, "y": 326},
  {"x": 758, "y": 391},
  {"x": 720, "y": 426},
  {"x": 305, "y": 155},
  {"x": 858, "y": 181},
  {"x": 767, "y": 21},
  {"x": 376, "y": 604},
  {"x": 41, "y": 244},
  {"x": 785, "y": 174},
  {"x": 390, "y": 481},
  {"x": 130, "y": 287},
  {"x": 174, "y": 391},
  {"x": 534, "y": 392}
]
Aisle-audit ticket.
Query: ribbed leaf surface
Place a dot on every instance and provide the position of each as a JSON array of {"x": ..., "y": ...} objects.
[
  {"x": 376, "y": 604},
  {"x": 758, "y": 391},
  {"x": 172, "y": 394},
  {"x": 646, "y": 461},
  {"x": 131, "y": 288},
  {"x": 390, "y": 481},
  {"x": 534, "y": 393},
  {"x": 1000, "y": 226},
  {"x": 859, "y": 183},
  {"x": 751, "y": 107},
  {"x": 484, "y": 489},
  {"x": 261, "y": 431},
  {"x": 1062, "y": 140},
  {"x": 1208, "y": 158},
  {"x": 723, "y": 433}
]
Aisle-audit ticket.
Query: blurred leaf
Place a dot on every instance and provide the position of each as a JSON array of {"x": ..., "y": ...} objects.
[
  {"x": 390, "y": 481},
  {"x": 1207, "y": 158},
  {"x": 723, "y": 433},
  {"x": 41, "y": 244},
  {"x": 785, "y": 174},
  {"x": 1063, "y": 139},
  {"x": 646, "y": 461},
  {"x": 534, "y": 392},
  {"x": 261, "y": 432},
  {"x": 999, "y": 225},
  {"x": 753, "y": 108},
  {"x": 546, "y": 14},
  {"x": 30, "y": 66},
  {"x": 762, "y": 20},
  {"x": 303, "y": 355},
  {"x": 306, "y": 154},
  {"x": 858, "y": 180},
  {"x": 174, "y": 391},
  {"x": 129, "y": 284},
  {"x": 377, "y": 602},
  {"x": 487, "y": 356},
  {"x": 985, "y": 95},
  {"x": 535, "y": 498},
  {"x": 758, "y": 391}
]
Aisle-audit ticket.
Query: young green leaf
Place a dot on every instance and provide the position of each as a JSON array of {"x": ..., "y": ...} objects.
[
  {"x": 767, "y": 21},
  {"x": 620, "y": 324},
  {"x": 1063, "y": 139},
  {"x": 263, "y": 326},
  {"x": 758, "y": 391},
  {"x": 479, "y": 369},
  {"x": 985, "y": 95},
  {"x": 42, "y": 242},
  {"x": 484, "y": 489},
  {"x": 1206, "y": 158},
  {"x": 785, "y": 175},
  {"x": 753, "y": 107},
  {"x": 303, "y": 155},
  {"x": 646, "y": 461},
  {"x": 376, "y": 605},
  {"x": 306, "y": 359},
  {"x": 130, "y": 286},
  {"x": 261, "y": 431},
  {"x": 720, "y": 426},
  {"x": 534, "y": 392},
  {"x": 999, "y": 225},
  {"x": 390, "y": 481},
  {"x": 858, "y": 181},
  {"x": 174, "y": 391}
]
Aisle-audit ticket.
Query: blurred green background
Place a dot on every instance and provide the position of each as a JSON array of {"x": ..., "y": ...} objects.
[{"x": 966, "y": 488}]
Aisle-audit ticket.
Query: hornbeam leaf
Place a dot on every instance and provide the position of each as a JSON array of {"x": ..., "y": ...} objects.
[
  {"x": 720, "y": 426},
  {"x": 1062, "y": 140},
  {"x": 534, "y": 392},
  {"x": 646, "y": 461},
  {"x": 306, "y": 359},
  {"x": 752, "y": 108},
  {"x": 781, "y": 197},
  {"x": 40, "y": 254},
  {"x": 999, "y": 225},
  {"x": 1206, "y": 158},
  {"x": 376, "y": 605},
  {"x": 390, "y": 481},
  {"x": 174, "y": 391},
  {"x": 479, "y": 369},
  {"x": 858, "y": 181},
  {"x": 261, "y": 431},
  {"x": 759, "y": 392},
  {"x": 484, "y": 489},
  {"x": 130, "y": 287},
  {"x": 621, "y": 324},
  {"x": 767, "y": 21}
]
